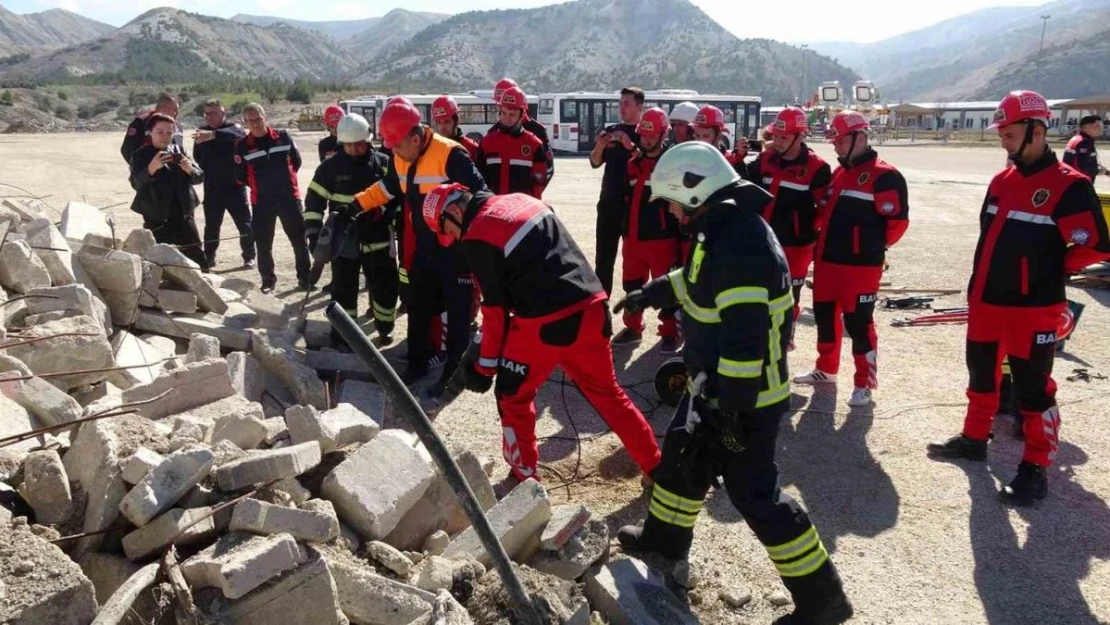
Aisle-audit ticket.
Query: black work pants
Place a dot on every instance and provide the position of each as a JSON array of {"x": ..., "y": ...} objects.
[
  {"x": 234, "y": 202},
  {"x": 610, "y": 225},
  {"x": 291, "y": 213},
  {"x": 438, "y": 283},
  {"x": 181, "y": 230},
  {"x": 380, "y": 269}
]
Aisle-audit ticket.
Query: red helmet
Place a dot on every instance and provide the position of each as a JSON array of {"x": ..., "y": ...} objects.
[
  {"x": 845, "y": 123},
  {"x": 790, "y": 121},
  {"x": 499, "y": 89},
  {"x": 435, "y": 202},
  {"x": 653, "y": 123},
  {"x": 710, "y": 117},
  {"x": 398, "y": 119},
  {"x": 444, "y": 107},
  {"x": 332, "y": 115},
  {"x": 398, "y": 98},
  {"x": 514, "y": 97},
  {"x": 1020, "y": 106}
]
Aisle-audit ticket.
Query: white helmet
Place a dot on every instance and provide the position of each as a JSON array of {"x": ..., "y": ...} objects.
[
  {"x": 690, "y": 172},
  {"x": 684, "y": 112},
  {"x": 352, "y": 129}
]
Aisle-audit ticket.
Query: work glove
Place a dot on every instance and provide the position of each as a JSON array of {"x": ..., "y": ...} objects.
[
  {"x": 477, "y": 381},
  {"x": 312, "y": 233},
  {"x": 730, "y": 428},
  {"x": 634, "y": 302}
]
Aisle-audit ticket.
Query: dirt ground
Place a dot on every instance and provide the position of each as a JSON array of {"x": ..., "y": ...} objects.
[{"x": 916, "y": 541}]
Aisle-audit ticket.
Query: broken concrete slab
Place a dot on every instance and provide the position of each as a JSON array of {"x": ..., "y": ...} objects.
[
  {"x": 93, "y": 461},
  {"x": 80, "y": 220},
  {"x": 280, "y": 359},
  {"x": 164, "y": 345},
  {"x": 202, "y": 347},
  {"x": 259, "y": 517},
  {"x": 239, "y": 316},
  {"x": 53, "y": 249},
  {"x": 75, "y": 297},
  {"x": 183, "y": 326},
  {"x": 112, "y": 270},
  {"x": 83, "y": 348},
  {"x": 517, "y": 520},
  {"x": 389, "y": 557},
  {"x": 152, "y": 282},
  {"x": 139, "y": 242},
  {"x": 246, "y": 431},
  {"x": 366, "y": 597},
  {"x": 124, "y": 307},
  {"x": 108, "y": 573},
  {"x": 299, "y": 494},
  {"x": 189, "y": 387},
  {"x": 239, "y": 563},
  {"x": 46, "y": 487},
  {"x": 264, "y": 466},
  {"x": 185, "y": 272},
  {"x": 130, "y": 351},
  {"x": 165, "y": 485},
  {"x": 174, "y": 301},
  {"x": 27, "y": 209},
  {"x": 437, "y": 542},
  {"x": 119, "y": 606},
  {"x": 586, "y": 547},
  {"x": 436, "y": 574},
  {"x": 140, "y": 463},
  {"x": 272, "y": 312},
  {"x": 627, "y": 592},
  {"x": 366, "y": 396},
  {"x": 374, "y": 488},
  {"x": 338, "y": 427},
  {"x": 14, "y": 419},
  {"x": 556, "y": 600},
  {"x": 42, "y": 585},
  {"x": 209, "y": 415},
  {"x": 227, "y": 451},
  {"x": 306, "y": 595},
  {"x": 185, "y": 527},
  {"x": 43, "y": 400},
  {"x": 21, "y": 270},
  {"x": 565, "y": 522}
]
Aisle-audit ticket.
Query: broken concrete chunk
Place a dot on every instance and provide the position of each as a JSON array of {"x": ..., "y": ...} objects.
[
  {"x": 165, "y": 485},
  {"x": 279, "y": 358},
  {"x": 177, "y": 267},
  {"x": 124, "y": 306},
  {"x": 174, "y": 301},
  {"x": 53, "y": 249},
  {"x": 140, "y": 463},
  {"x": 258, "y": 517},
  {"x": 436, "y": 574},
  {"x": 171, "y": 526},
  {"x": 389, "y": 557},
  {"x": 93, "y": 461},
  {"x": 14, "y": 419},
  {"x": 26, "y": 209},
  {"x": 272, "y": 312},
  {"x": 516, "y": 520},
  {"x": 239, "y": 563},
  {"x": 73, "y": 297},
  {"x": 182, "y": 326},
  {"x": 42, "y": 585},
  {"x": 152, "y": 281},
  {"x": 437, "y": 542},
  {"x": 245, "y": 431},
  {"x": 130, "y": 351},
  {"x": 193, "y": 385},
  {"x": 46, "y": 487},
  {"x": 306, "y": 595},
  {"x": 579, "y": 553},
  {"x": 227, "y": 451},
  {"x": 43, "y": 400},
  {"x": 335, "y": 428},
  {"x": 80, "y": 220},
  {"x": 20, "y": 269},
  {"x": 264, "y": 466},
  {"x": 365, "y": 596},
  {"x": 139, "y": 242},
  {"x": 565, "y": 522},
  {"x": 298, "y": 494},
  {"x": 112, "y": 270},
  {"x": 239, "y": 316},
  {"x": 627, "y": 592},
  {"x": 202, "y": 347},
  {"x": 78, "y": 344}
]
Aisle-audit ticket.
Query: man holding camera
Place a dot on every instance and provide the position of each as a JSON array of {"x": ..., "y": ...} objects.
[{"x": 214, "y": 150}]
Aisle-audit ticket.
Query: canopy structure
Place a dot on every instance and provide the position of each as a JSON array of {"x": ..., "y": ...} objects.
[
  {"x": 1098, "y": 104},
  {"x": 906, "y": 114}
]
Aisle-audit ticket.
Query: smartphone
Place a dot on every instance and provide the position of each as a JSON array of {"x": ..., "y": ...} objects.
[{"x": 755, "y": 145}]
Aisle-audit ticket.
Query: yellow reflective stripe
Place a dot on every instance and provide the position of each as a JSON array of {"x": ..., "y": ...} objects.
[
  {"x": 782, "y": 304},
  {"x": 796, "y": 547},
  {"x": 320, "y": 190},
  {"x": 806, "y": 565},
  {"x": 403, "y": 276},
  {"x": 741, "y": 295},
  {"x": 739, "y": 369},
  {"x": 670, "y": 499},
  {"x": 695, "y": 262},
  {"x": 374, "y": 247},
  {"x": 772, "y": 395},
  {"x": 704, "y": 315},
  {"x": 1006, "y": 366},
  {"x": 678, "y": 284},
  {"x": 382, "y": 313},
  {"x": 310, "y": 216},
  {"x": 672, "y": 517},
  {"x": 774, "y": 348},
  {"x": 342, "y": 198}
]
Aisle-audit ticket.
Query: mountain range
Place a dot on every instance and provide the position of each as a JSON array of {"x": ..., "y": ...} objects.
[{"x": 36, "y": 32}]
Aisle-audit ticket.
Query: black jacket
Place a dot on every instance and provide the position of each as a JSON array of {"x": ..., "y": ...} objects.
[
  {"x": 169, "y": 189},
  {"x": 334, "y": 185},
  {"x": 217, "y": 157}
]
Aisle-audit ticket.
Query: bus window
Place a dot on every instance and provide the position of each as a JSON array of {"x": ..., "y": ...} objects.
[
  {"x": 547, "y": 106},
  {"x": 730, "y": 113},
  {"x": 569, "y": 111},
  {"x": 472, "y": 114},
  {"x": 532, "y": 111},
  {"x": 424, "y": 112},
  {"x": 612, "y": 112}
]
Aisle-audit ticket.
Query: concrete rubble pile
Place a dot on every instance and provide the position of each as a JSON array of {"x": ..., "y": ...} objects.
[{"x": 230, "y": 484}]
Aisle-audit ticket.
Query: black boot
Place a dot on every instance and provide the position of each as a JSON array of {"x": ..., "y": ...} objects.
[
  {"x": 646, "y": 539},
  {"x": 959, "y": 447},
  {"x": 818, "y": 599},
  {"x": 1030, "y": 485}
]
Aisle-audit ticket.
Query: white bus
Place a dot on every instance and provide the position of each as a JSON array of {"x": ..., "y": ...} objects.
[
  {"x": 573, "y": 120},
  {"x": 477, "y": 112}
]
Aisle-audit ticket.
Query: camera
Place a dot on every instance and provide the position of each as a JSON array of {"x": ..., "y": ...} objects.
[{"x": 755, "y": 145}]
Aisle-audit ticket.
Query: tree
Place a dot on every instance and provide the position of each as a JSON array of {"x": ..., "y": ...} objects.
[
  {"x": 299, "y": 91},
  {"x": 6, "y": 98}
]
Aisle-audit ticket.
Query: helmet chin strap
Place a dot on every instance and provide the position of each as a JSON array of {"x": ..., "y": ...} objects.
[
  {"x": 1017, "y": 157},
  {"x": 847, "y": 160}
]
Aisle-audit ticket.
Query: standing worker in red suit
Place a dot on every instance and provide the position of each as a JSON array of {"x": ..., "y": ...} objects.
[
  {"x": 1081, "y": 152},
  {"x": 868, "y": 212},
  {"x": 1040, "y": 221},
  {"x": 510, "y": 157},
  {"x": 330, "y": 144},
  {"x": 445, "y": 116},
  {"x": 530, "y": 125}
]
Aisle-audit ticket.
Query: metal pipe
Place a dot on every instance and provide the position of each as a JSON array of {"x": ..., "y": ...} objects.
[{"x": 405, "y": 403}]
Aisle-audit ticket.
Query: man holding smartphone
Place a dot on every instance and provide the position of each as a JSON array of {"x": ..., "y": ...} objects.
[{"x": 614, "y": 147}]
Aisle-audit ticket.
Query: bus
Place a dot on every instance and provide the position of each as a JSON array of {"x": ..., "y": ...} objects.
[
  {"x": 573, "y": 120},
  {"x": 477, "y": 112}
]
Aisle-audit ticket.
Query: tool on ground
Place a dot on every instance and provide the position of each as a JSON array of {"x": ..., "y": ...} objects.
[
  {"x": 1084, "y": 375},
  {"x": 406, "y": 404},
  {"x": 958, "y": 315},
  {"x": 905, "y": 303},
  {"x": 670, "y": 380}
]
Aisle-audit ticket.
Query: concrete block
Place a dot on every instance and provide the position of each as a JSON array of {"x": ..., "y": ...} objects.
[
  {"x": 627, "y": 592},
  {"x": 80, "y": 219},
  {"x": 129, "y": 351},
  {"x": 112, "y": 270},
  {"x": 46, "y": 487},
  {"x": 165, "y": 346},
  {"x": 165, "y": 485},
  {"x": 366, "y": 597},
  {"x": 275, "y": 430},
  {"x": 272, "y": 312},
  {"x": 73, "y": 297},
  {"x": 257, "y": 384},
  {"x": 368, "y": 397},
  {"x": 152, "y": 537},
  {"x": 27, "y": 209},
  {"x": 239, "y": 316},
  {"x": 174, "y": 301},
  {"x": 439, "y": 508},
  {"x": 374, "y": 488},
  {"x": 227, "y": 451},
  {"x": 259, "y": 517},
  {"x": 565, "y": 522},
  {"x": 299, "y": 494},
  {"x": 20, "y": 269},
  {"x": 93, "y": 460},
  {"x": 14, "y": 419},
  {"x": 263, "y": 466},
  {"x": 53, "y": 249},
  {"x": 183, "y": 326},
  {"x": 436, "y": 574},
  {"x": 140, "y": 463},
  {"x": 185, "y": 272},
  {"x": 42, "y": 399},
  {"x": 306, "y": 595},
  {"x": 245, "y": 431},
  {"x": 202, "y": 347},
  {"x": 586, "y": 547},
  {"x": 89, "y": 349},
  {"x": 96, "y": 392},
  {"x": 280, "y": 359},
  {"x": 123, "y": 306},
  {"x": 193, "y": 385},
  {"x": 239, "y": 563},
  {"x": 139, "y": 242},
  {"x": 152, "y": 282},
  {"x": 42, "y": 585},
  {"x": 389, "y": 557},
  {"x": 437, "y": 543},
  {"x": 41, "y": 318},
  {"x": 198, "y": 497},
  {"x": 517, "y": 520},
  {"x": 335, "y": 428}
]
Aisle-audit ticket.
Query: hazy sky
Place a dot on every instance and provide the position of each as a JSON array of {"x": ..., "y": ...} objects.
[{"x": 807, "y": 20}]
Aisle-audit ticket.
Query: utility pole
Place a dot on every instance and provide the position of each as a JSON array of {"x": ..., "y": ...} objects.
[
  {"x": 1040, "y": 52},
  {"x": 802, "y": 86}
]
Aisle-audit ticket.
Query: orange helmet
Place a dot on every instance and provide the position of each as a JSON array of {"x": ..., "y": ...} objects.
[
  {"x": 397, "y": 121},
  {"x": 653, "y": 123},
  {"x": 1021, "y": 106},
  {"x": 332, "y": 115},
  {"x": 444, "y": 107}
]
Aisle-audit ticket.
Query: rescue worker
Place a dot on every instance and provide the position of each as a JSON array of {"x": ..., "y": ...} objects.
[
  {"x": 650, "y": 245},
  {"x": 364, "y": 243},
  {"x": 682, "y": 116},
  {"x": 1081, "y": 152},
  {"x": 868, "y": 212},
  {"x": 330, "y": 144},
  {"x": 138, "y": 134},
  {"x": 542, "y": 307},
  {"x": 1040, "y": 221},
  {"x": 445, "y": 116},
  {"x": 214, "y": 150},
  {"x": 439, "y": 279},
  {"x": 710, "y": 126},
  {"x": 267, "y": 161},
  {"x": 799, "y": 181},
  {"x": 510, "y": 158},
  {"x": 530, "y": 125},
  {"x": 736, "y": 300},
  {"x": 613, "y": 148}
]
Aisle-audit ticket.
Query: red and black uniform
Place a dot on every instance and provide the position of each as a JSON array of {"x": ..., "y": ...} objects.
[
  {"x": 138, "y": 135},
  {"x": 651, "y": 246},
  {"x": 1082, "y": 155},
  {"x": 1039, "y": 222},
  {"x": 868, "y": 211},
  {"x": 801, "y": 189},
  {"x": 611, "y": 206},
  {"x": 542, "y": 307},
  {"x": 268, "y": 166},
  {"x": 537, "y": 129},
  {"x": 470, "y": 144},
  {"x": 512, "y": 161},
  {"x": 328, "y": 145},
  {"x": 221, "y": 190}
]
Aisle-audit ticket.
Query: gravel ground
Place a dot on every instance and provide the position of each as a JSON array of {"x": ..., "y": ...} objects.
[{"x": 916, "y": 541}]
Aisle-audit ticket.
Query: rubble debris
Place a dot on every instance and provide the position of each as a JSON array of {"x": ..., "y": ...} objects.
[
  {"x": 42, "y": 585},
  {"x": 139, "y": 242},
  {"x": 265, "y": 466},
  {"x": 338, "y": 427},
  {"x": 436, "y": 574},
  {"x": 557, "y": 601},
  {"x": 74, "y": 344},
  {"x": 389, "y": 557},
  {"x": 184, "y": 527},
  {"x": 193, "y": 385},
  {"x": 565, "y": 521},
  {"x": 165, "y": 485},
  {"x": 129, "y": 351},
  {"x": 93, "y": 462},
  {"x": 366, "y": 597},
  {"x": 627, "y": 592},
  {"x": 279, "y": 358},
  {"x": 183, "y": 326},
  {"x": 437, "y": 542},
  {"x": 80, "y": 220},
  {"x": 53, "y": 249},
  {"x": 516, "y": 521},
  {"x": 239, "y": 563},
  {"x": 140, "y": 463},
  {"x": 73, "y": 297},
  {"x": 121, "y": 601},
  {"x": 306, "y": 595},
  {"x": 108, "y": 573},
  {"x": 41, "y": 399},
  {"x": 110, "y": 269},
  {"x": 177, "y": 267},
  {"x": 26, "y": 209},
  {"x": 245, "y": 430},
  {"x": 586, "y": 547},
  {"x": 20, "y": 269},
  {"x": 258, "y": 517},
  {"x": 46, "y": 487}
]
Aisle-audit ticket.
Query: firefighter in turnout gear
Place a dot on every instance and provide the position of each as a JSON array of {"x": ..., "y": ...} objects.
[
  {"x": 530, "y": 125},
  {"x": 1081, "y": 152},
  {"x": 799, "y": 181},
  {"x": 330, "y": 144},
  {"x": 365, "y": 241},
  {"x": 542, "y": 307},
  {"x": 867, "y": 213},
  {"x": 445, "y": 116},
  {"x": 1040, "y": 221},
  {"x": 651, "y": 238},
  {"x": 510, "y": 157},
  {"x": 736, "y": 299}
]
